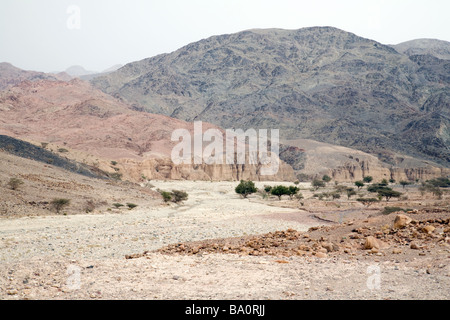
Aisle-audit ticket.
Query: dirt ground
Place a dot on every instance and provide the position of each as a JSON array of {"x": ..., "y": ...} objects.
[{"x": 219, "y": 246}]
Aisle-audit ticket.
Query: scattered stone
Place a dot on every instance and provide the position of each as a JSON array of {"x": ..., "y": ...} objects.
[
  {"x": 401, "y": 221},
  {"x": 414, "y": 246},
  {"x": 321, "y": 255},
  {"x": 371, "y": 242},
  {"x": 428, "y": 229}
]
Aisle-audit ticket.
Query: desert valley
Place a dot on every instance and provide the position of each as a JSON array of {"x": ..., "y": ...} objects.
[{"x": 92, "y": 205}]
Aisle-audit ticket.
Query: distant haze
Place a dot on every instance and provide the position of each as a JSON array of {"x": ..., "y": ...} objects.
[{"x": 53, "y": 35}]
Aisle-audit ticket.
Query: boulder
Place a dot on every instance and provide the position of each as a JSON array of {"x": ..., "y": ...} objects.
[{"x": 401, "y": 221}]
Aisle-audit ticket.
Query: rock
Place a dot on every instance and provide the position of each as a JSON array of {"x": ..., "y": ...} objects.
[
  {"x": 321, "y": 255},
  {"x": 428, "y": 229},
  {"x": 371, "y": 242},
  {"x": 322, "y": 250},
  {"x": 396, "y": 251},
  {"x": 414, "y": 246},
  {"x": 331, "y": 247},
  {"x": 401, "y": 221}
]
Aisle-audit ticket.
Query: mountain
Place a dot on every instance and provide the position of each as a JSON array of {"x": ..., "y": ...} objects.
[
  {"x": 11, "y": 75},
  {"x": 91, "y": 76},
  {"x": 317, "y": 83},
  {"x": 78, "y": 71},
  {"x": 437, "y": 48},
  {"x": 87, "y": 125}
]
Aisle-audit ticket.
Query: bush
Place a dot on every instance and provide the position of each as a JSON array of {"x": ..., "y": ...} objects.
[
  {"x": 117, "y": 205},
  {"x": 326, "y": 178},
  {"x": 114, "y": 163},
  {"x": 167, "y": 196},
  {"x": 440, "y": 182},
  {"x": 246, "y": 188},
  {"x": 317, "y": 184},
  {"x": 389, "y": 210},
  {"x": 368, "y": 179},
  {"x": 89, "y": 206},
  {"x": 131, "y": 205},
  {"x": 59, "y": 203},
  {"x": 267, "y": 188},
  {"x": 178, "y": 196},
  {"x": 14, "y": 183}
]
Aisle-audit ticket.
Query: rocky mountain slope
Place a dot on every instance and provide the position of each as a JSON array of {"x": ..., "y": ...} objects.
[
  {"x": 316, "y": 83},
  {"x": 87, "y": 125},
  {"x": 437, "y": 48},
  {"x": 11, "y": 75}
]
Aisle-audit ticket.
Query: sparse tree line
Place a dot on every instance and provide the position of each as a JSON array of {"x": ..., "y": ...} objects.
[{"x": 380, "y": 190}]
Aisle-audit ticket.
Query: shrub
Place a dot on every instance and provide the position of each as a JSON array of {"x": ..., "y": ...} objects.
[
  {"x": 178, "y": 196},
  {"x": 62, "y": 150},
  {"x": 59, "y": 203},
  {"x": 116, "y": 176},
  {"x": 167, "y": 196},
  {"x": 267, "y": 188},
  {"x": 131, "y": 205},
  {"x": 389, "y": 210},
  {"x": 440, "y": 182},
  {"x": 326, "y": 178},
  {"x": 89, "y": 206},
  {"x": 117, "y": 205},
  {"x": 14, "y": 183},
  {"x": 367, "y": 179},
  {"x": 317, "y": 184},
  {"x": 114, "y": 163},
  {"x": 245, "y": 188}
]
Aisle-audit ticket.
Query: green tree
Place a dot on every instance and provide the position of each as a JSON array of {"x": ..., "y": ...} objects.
[
  {"x": 367, "y": 201},
  {"x": 404, "y": 183},
  {"x": 317, "y": 184},
  {"x": 326, "y": 178},
  {"x": 389, "y": 193},
  {"x": 280, "y": 191},
  {"x": 350, "y": 192},
  {"x": 367, "y": 179},
  {"x": 293, "y": 191},
  {"x": 359, "y": 184},
  {"x": 246, "y": 188}
]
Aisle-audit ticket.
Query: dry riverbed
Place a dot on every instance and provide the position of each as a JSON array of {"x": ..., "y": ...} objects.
[{"x": 83, "y": 256}]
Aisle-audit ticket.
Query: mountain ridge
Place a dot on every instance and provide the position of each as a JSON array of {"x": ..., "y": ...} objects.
[{"x": 317, "y": 83}]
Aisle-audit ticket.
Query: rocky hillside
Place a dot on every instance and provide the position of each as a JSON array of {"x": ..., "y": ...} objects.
[
  {"x": 73, "y": 117},
  {"x": 11, "y": 75},
  {"x": 437, "y": 48},
  {"x": 316, "y": 83}
]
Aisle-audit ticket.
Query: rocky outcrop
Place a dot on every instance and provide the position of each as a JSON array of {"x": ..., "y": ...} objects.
[{"x": 162, "y": 169}]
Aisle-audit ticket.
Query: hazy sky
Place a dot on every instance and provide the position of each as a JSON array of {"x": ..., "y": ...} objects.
[{"x": 51, "y": 35}]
